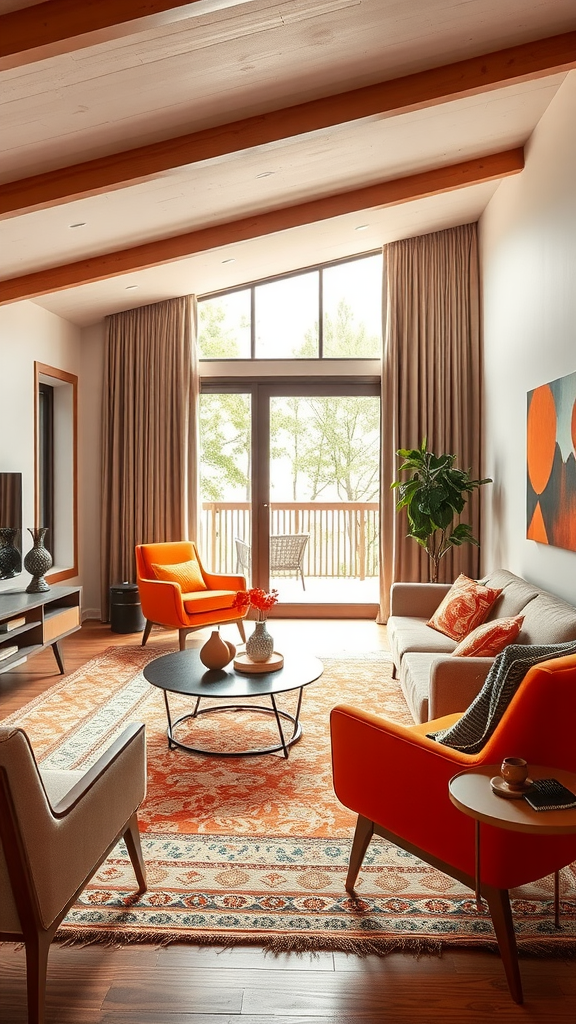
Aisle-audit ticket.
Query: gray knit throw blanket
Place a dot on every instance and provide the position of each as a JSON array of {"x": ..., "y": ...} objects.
[{"x": 471, "y": 732}]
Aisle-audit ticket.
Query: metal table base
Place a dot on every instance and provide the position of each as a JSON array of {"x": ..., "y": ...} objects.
[{"x": 284, "y": 744}]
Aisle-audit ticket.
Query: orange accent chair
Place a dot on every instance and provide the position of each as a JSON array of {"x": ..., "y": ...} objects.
[
  {"x": 164, "y": 603},
  {"x": 396, "y": 780}
]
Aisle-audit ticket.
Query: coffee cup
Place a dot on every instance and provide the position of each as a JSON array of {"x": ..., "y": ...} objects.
[{"x": 514, "y": 771}]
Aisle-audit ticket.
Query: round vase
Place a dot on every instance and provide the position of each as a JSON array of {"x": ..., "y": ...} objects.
[
  {"x": 10, "y": 561},
  {"x": 37, "y": 561},
  {"x": 216, "y": 652},
  {"x": 260, "y": 645}
]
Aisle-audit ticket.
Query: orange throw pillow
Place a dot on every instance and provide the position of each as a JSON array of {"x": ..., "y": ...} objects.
[
  {"x": 187, "y": 574},
  {"x": 465, "y": 606},
  {"x": 490, "y": 638}
]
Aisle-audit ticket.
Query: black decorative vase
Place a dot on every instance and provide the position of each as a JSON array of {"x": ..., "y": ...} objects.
[
  {"x": 10, "y": 559},
  {"x": 37, "y": 561}
]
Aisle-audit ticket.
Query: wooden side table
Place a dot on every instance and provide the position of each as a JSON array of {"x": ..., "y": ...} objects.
[{"x": 471, "y": 793}]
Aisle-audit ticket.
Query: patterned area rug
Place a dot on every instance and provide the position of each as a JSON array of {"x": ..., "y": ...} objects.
[{"x": 255, "y": 850}]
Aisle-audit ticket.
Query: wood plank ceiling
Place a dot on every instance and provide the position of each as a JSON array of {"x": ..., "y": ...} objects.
[{"x": 153, "y": 148}]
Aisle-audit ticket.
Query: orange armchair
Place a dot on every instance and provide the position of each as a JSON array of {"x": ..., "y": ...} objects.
[
  {"x": 396, "y": 780},
  {"x": 164, "y": 603}
]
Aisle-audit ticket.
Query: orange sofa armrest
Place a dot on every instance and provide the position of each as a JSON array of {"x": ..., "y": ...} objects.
[
  {"x": 221, "y": 581},
  {"x": 162, "y": 602}
]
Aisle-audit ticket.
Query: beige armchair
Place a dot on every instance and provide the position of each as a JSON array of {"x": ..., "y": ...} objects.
[{"x": 56, "y": 828}]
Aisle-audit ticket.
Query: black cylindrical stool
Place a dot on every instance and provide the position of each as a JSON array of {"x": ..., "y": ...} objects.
[{"x": 125, "y": 610}]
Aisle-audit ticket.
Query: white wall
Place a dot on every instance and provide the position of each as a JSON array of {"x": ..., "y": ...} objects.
[
  {"x": 528, "y": 245},
  {"x": 28, "y": 333}
]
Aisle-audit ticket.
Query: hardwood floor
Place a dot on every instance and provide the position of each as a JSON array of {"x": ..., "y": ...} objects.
[{"x": 190, "y": 985}]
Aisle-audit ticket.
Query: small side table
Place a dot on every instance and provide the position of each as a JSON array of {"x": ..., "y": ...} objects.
[{"x": 471, "y": 793}]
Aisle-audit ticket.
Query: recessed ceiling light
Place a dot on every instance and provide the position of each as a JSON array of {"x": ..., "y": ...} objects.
[
  {"x": 80, "y": 224},
  {"x": 229, "y": 260},
  {"x": 265, "y": 174},
  {"x": 362, "y": 227},
  {"x": 130, "y": 287}
]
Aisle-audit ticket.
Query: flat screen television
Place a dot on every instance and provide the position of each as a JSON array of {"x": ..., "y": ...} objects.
[{"x": 10, "y": 525}]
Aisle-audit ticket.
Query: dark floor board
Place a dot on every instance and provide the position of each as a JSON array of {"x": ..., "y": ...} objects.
[{"x": 217, "y": 958}]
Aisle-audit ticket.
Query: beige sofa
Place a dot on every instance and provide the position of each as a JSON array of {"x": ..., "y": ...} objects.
[{"x": 433, "y": 682}]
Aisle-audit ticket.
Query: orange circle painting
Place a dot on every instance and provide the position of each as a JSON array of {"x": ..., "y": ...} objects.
[{"x": 541, "y": 441}]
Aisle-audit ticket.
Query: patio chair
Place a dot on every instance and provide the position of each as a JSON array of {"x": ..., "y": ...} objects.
[{"x": 286, "y": 554}]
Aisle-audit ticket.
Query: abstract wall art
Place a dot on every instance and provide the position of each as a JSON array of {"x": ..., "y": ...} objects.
[{"x": 551, "y": 463}]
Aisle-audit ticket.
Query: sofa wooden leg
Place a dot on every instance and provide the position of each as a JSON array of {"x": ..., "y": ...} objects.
[
  {"x": 147, "y": 629},
  {"x": 499, "y": 905},
  {"x": 362, "y": 836},
  {"x": 394, "y": 673},
  {"x": 132, "y": 839}
]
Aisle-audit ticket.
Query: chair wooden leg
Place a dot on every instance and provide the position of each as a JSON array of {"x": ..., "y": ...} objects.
[
  {"x": 394, "y": 673},
  {"x": 147, "y": 629},
  {"x": 182, "y": 634},
  {"x": 499, "y": 905},
  {"x": 132, "y": 839},
  {"x": 241, "y": 630},
  {"x": 362, "y": 836},
  {"x": 37, "y": 949}
]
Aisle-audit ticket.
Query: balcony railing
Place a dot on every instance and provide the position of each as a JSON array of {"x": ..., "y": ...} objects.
[{"x": 343, "y": 535}]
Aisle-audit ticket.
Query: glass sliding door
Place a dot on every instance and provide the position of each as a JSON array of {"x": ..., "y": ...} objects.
[
  {"x": 289, "y": 488},
  {"x": 226, "y": 480},
  {"x": 324, "y": 482}
]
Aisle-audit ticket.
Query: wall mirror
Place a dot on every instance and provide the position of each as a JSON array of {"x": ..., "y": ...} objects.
[{"x": 56, "y": 466}]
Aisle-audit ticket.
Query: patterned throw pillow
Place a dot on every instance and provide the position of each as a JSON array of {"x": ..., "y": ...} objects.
[
  {"x": 187, "y": 574},
  {"x": 465, "y": 606},
  {"x": 487, "y": 640}
]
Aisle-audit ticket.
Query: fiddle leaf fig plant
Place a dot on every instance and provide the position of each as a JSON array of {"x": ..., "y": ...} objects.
[{"x": 434, "y": 495}]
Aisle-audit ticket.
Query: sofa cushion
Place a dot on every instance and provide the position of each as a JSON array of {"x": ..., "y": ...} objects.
[
  {"x": 410, "y": 634},
  {"x": 548, "y": 620},
  {"x": 209, "y": 601},
  {"x": 465, "y": 606},
  {"x": 516, "y": 593},
  {"x": 490, "y": 638},
  {"x": 415, "y": 682}
]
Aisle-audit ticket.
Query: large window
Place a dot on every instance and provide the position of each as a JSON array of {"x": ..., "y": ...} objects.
[{"x": 328, "y": 312}]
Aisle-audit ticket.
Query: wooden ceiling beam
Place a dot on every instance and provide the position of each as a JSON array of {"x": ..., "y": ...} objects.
[
  {"x": 168, "y": 250},
  {"x": 62, "y": 26},
  {"x": 385, "y": 99}
]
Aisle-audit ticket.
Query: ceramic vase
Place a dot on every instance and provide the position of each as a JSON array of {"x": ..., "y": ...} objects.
[
  {"x": 10, "y": 562},
  {"x": 216, "y": 652},
  {"x": 260, "y": 645},
  {"x": 37, "y": 561}
]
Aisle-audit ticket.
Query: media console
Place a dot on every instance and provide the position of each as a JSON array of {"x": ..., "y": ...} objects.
[{"x": 47, "y": 619}]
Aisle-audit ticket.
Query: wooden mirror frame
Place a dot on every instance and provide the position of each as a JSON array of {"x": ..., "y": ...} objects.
[{"x": 42, "y": 370}]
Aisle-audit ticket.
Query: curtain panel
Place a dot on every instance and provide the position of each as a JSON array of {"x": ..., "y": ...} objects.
[
  {"x": 149, "y": 445},
  {"x": 431, "y": 385}
]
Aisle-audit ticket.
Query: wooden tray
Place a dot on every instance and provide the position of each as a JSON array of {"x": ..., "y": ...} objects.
[{"x": 242, "y": 663}]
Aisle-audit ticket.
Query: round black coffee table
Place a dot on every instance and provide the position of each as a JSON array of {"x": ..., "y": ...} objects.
[{"x": 183, "y": 672}]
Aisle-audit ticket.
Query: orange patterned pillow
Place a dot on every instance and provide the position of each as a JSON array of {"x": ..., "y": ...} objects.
[
  {"x": 187, "y": 574},
  {"x": 465, "y": 606},
  {"x": 490, "y": 638}
]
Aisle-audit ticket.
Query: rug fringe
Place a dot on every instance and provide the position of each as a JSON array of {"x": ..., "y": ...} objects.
[{"x": 276, "y": 945}]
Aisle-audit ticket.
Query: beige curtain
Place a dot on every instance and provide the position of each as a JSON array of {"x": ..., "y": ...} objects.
[
  {"x": 431, "y": 378},
  {"x": 149, "y": 449}
]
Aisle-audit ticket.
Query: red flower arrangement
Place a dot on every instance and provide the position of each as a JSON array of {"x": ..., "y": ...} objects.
[{"x": 256, "y": 598}]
